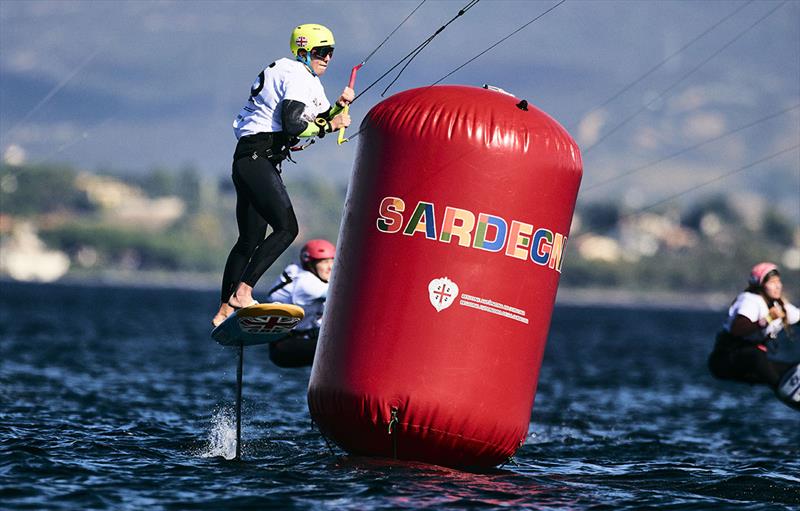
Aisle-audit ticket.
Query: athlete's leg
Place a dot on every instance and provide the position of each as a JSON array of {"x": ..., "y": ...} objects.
[
  {"x": 295, "y": 350},
  {"x": 252, "y": 229},
  {"x": 267, "y": 195},
  {"x": 775, "y": 371},
  {"x": 753, "y": 366}
]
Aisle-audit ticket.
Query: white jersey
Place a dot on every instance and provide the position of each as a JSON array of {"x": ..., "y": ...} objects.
[
  {"x": 753, "y": 307},
  {"x": 283, "y": 79},
  {"x": 304, "y": 289}
]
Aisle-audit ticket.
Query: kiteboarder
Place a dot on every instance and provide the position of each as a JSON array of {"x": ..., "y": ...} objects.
[
  {"x": 307, "y": 286},
  {"x": 287, "y": 102},
  {"x": 756, "y": 317}
]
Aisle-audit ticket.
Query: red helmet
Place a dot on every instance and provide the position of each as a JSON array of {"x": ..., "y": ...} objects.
[
  {"x": 315, "y": 250},
  {"x": 760, "y": 271}
]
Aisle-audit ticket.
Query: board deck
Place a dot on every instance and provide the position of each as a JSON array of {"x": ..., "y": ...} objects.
[{"x": 258, "y": 324}]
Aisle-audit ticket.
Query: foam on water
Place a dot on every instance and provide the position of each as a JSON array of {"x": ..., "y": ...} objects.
[{"x": 221, "y": 441}]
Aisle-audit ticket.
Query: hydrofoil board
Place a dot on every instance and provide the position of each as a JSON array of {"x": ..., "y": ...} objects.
[
  {"x": 258, "y": 324},
  {"x": 788, "y": 389}
]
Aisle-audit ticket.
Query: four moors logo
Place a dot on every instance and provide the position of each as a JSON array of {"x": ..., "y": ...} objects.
[
  {"x": 483, "y": 232},
  {"x": 442, "y": 292}
]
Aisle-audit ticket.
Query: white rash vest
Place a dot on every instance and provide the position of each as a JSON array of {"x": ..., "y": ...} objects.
[
  {"x": 283, "y": 79},
  {"x": 753, "y": 307},
  {"x": 306, "y": 290}
]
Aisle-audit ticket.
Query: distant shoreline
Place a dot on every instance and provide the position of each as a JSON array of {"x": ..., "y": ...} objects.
[
  {"x": 661, "y": 299},
  {"x": 658, "y": 299}
]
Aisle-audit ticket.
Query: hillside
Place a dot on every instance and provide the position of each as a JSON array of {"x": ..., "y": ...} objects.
[{"x": 175, "y": 227}]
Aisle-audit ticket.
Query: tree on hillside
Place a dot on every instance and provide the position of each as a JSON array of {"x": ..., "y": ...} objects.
[
  {"x": 778, "y": 228},
  {"x": 41, "y": 189},
  {"x": 600, "y": 217},
  {"x": 717, "y": 206}
]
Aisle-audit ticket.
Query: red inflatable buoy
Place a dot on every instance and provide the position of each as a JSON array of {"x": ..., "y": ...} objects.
[{"x": 450, "y": 252}]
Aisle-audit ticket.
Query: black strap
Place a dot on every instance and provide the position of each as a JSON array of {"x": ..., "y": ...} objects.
[
  {"x": 285, "y": 282},
  {"x": 324, "y": 126},
  {"x": 272, "y": 146}
]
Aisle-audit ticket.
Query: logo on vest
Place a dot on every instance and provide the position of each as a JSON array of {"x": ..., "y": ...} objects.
[{"x": 442, "y": 292}]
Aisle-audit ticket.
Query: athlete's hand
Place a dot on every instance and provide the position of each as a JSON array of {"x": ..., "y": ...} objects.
[
  {"x": 340, "y": 121},
  {"x": 776, "y": 312},
  {"x": 347, "y": 97}
]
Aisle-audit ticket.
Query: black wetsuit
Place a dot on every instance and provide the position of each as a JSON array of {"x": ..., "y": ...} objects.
[
  {"x": 261, "y": 201},
  {"x": 735, "y": 358},
  {"x": 295, "y": 350}
]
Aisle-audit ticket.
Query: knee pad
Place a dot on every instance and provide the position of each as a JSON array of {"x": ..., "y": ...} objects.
[{"x": 788, "y": 389}]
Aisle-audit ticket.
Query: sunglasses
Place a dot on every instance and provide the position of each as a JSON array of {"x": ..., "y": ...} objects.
[{"x": 322, "y": 51}]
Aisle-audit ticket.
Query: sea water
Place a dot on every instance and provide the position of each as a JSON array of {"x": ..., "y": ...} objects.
[{"x": 115, "y": 398}]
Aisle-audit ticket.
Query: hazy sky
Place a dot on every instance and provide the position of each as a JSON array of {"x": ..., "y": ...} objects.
[{"x": 131, "y": 85}]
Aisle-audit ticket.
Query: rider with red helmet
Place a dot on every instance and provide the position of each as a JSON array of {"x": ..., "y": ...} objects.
[{"x": 307, "y": 286}]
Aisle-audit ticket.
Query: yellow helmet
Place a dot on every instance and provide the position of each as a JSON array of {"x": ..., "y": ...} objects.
[{"x": 310, "y": 35}]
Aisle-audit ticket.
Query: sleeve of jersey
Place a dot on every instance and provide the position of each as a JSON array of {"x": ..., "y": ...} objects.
[
  {"x": 294, "y": 124},
  {"x": 308, "y": 289},
  {"x": 748, "y": 306},
  {"x": 292, "y": 121},
  {"x": 332, "y": 112},
  {"x": 792, "y": 313}
]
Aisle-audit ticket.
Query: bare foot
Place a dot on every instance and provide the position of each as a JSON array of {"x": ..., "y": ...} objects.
[
  {"x": 225, "y": 310},
  {"x": 240, "y": 303},
  {"x": 243, "y": 297}
]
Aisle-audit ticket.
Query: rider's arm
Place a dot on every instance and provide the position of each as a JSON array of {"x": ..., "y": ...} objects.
[
  {"x": 742, "y": 326},
  {"x": 293, "y": 123}
]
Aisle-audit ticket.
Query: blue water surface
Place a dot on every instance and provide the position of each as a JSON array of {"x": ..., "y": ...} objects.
[{"x": 115, "y": 398}]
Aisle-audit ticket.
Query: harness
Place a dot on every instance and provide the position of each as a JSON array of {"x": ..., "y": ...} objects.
[
  {"x": 273, "y": 146},
  {"x": 285, "y": 281}
]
